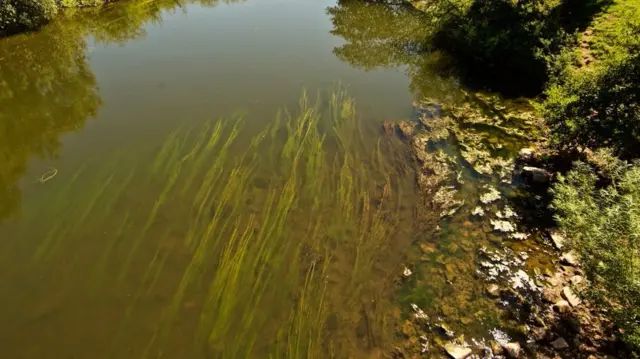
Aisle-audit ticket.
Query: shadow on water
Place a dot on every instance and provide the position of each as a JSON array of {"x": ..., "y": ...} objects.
[{"x": 500, "y": 46}]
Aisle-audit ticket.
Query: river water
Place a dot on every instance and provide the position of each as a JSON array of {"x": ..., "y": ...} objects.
[{"x": 209, "y": 179}]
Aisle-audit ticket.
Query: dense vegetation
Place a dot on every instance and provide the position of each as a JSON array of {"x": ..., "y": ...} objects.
[{"x": 604, "y": 227}]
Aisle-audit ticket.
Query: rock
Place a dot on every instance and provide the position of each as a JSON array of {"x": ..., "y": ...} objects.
[
  {"x": 568, "y": 294},
  {"x": 536, "y": 175},
  {"x": 512, "y": 349},
  {"x": 478, "y": 211},
  {"x": 558, "y": 239},
  {"x": 559, "y": 344},
  {"x": 444, "y": 329},
  {"x": 457, "y": 351},
  {"x": 561, "y": 306},
  {"x": 502, "y": 226},
  {"x": 408, "y": 329},
  {"x": 526, "y": 153},
  {"x": 490, "y": 196},
  {"x": 496, "y": 348},
  {"x": 493, "y": 290},
  {"x": 519, "y": 236},
  {"x": 576, "y": 279},
  {"x": 407, "y": 128},
  {"x": 569, "y": 258},
  {"x": 388, "y": 127}
]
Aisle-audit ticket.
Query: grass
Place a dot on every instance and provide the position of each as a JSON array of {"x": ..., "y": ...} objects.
[{"x": 253, "y": 247}]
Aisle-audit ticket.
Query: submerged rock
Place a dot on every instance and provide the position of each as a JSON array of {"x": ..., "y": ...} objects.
[
  {"x": 502, "y": 226},
  {"x": 519, "y": 236},
  {"x": 407, "y": 128},
  {"x": 457, "y": 351},
  {"x": 444, "y": 329},
  {"x": 478, "y": 211},
  {"x": 491, "y": 196}
]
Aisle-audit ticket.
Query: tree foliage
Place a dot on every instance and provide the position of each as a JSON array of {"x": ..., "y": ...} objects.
[
  {"x": 599, "y": 106},
  {"x": 603, "y": 224}
]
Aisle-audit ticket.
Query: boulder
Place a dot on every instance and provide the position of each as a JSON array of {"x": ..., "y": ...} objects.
[
  {"x": 559, "y": 344},
  {"x": 457, "y": 351},
  {"x": 568, "y": 294},
  {"x": 558, "y": 239},
  {"x": 569, "y": 258},
  {"x": 536, "y": 175},
  {"x": 512, "y": 349}
]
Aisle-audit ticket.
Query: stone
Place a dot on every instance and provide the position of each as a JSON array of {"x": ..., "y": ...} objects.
[
  {"x": 407, "y": 128},
  {"x": 569, "y": 258},
  {"x": 496, "y": 348},
  {"x": 491, "y": 196},
  {"x": 558, "y": 239},
  {"x": 444, "y": 329},
  {"x": 568, "y": 294},
  {"x": 512, "y": 349},
  {"x": 559, "y": 344},
  {"x": 493, "y": 290},
  {"x": 526, "y": 153},
  {"x": 576, "y": 279},
  {"x": 408, "y": 329},
  {"x": 502, "y": 226},
  {"x": 478, "y": 211},
  {"x": 561, "y": 306},
  {"x": 457, "y": 351},
  {"x": 536, "y": 175}
]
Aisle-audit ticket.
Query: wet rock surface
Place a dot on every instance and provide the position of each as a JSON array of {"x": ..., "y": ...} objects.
[{"x": 497, "y": 283}]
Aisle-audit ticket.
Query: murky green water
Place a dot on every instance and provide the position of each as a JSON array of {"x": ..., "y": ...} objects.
[{"x": 167, "y": 189}]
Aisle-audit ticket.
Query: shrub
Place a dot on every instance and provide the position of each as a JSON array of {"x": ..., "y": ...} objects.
[
  {"x": 600, "y": 107},
  {"x": 603, "y": 225}
]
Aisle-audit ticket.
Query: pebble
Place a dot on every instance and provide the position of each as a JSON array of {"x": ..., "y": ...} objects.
[
  {"x": 559, "y": 343},
  {"x": 457, "y": 351},
  {"x": 512, "y": 349}
]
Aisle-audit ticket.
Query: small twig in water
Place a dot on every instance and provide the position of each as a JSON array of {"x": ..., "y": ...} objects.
[{"x": 48, "y": 175}]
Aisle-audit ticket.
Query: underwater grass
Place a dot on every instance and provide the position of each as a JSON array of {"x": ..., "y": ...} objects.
[{"x": 265, "y": 265}]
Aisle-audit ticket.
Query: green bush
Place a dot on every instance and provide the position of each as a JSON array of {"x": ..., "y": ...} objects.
[
  {"x": 603, "y": 225},
  {"x": 20, "y": 15},
  {"x": 598, "y": 107}
]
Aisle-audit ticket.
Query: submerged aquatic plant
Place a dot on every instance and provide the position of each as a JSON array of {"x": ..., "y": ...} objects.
[{"x": 267, "y": 247}]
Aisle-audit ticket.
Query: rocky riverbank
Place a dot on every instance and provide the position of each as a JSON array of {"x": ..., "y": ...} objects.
[{"x": 527, "y": 274}]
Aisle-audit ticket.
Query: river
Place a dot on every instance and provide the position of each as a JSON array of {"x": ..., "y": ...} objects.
[{"x": 211, "y": 179}]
